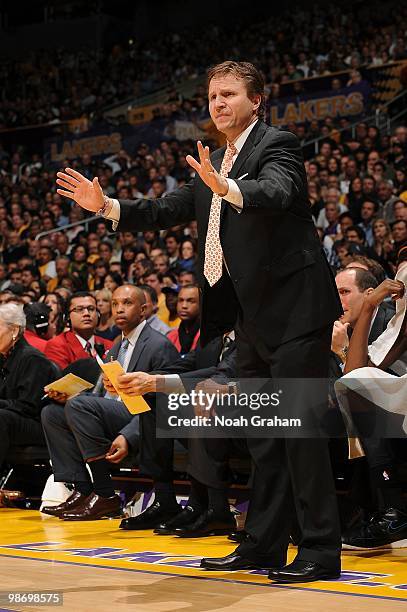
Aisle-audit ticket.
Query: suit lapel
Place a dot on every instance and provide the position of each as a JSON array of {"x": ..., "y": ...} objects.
[
  {"x": 138, "y": 349},
  {"x": 248, "y": 148}
]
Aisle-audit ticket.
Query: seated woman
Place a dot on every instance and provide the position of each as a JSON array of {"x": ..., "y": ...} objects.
[
  {"x": 188, "y": 255},
  {"x": 106, "y": 328},
  {"x": 374, "y": 391},
  {"x": 24, "y": 371}
]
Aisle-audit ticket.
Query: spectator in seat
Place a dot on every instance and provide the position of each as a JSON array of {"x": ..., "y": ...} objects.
[
  {"x": 80, "y": 341},
  {"x": 24, "y": 373},
  {"x": 151, "y": 310},
  {"x": 106, "y": 327},
  {"x": 37, "y": 324},
  {"x": 186, "y": 337}
]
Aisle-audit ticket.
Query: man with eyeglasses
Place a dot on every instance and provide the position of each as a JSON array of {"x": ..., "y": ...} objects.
[{"x": 80, "y": 341}]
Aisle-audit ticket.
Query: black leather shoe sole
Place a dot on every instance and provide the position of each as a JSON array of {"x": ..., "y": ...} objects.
[{"x": 294, "y": 579}]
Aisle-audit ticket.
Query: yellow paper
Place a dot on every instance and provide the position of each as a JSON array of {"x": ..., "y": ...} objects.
[
  {"x": 69, "y": 384},
  {"x": 135, "y": 404}
]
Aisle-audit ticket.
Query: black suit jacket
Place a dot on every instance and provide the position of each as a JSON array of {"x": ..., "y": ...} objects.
[
  {"x": 277, "y": 267},
  {"x": 204, "y": 363},
  {"x": 23, "y": 378},
  {"x": 153, "y": 351}
]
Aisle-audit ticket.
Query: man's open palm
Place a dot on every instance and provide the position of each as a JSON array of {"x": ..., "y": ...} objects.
[{"x": 88, "y": 194}]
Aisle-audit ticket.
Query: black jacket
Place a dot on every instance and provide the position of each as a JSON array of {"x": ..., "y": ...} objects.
[
  {"x": 277, "y": 267},
  {"x": 23, "y": 378}
]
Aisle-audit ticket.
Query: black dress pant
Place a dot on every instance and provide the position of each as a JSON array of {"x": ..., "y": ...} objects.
[
  {"x": 293, "y": 482},
  {"x": 16, "y": 429}
]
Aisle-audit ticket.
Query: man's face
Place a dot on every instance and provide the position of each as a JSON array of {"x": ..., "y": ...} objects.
[
  {"x": 345, "y": 223},
  {"x": 399, "y": 231},
  {"x": 151, "y": 308},
  {"x": 62, "y": 244},
  {"x": 368, "y": 185},
  {"x": 351, "y": 298},
  {"x": 186, "y": 279},
  {"x": 62, "y": 267},
  {"x": 13, "y": 239},
  {"x": 127, "y": 308},
  {"x": 44, "y": 256},
  {"x": 384, "y": 191},
  {"x": 161, "y": 264},
  {"x": 400, "y": 211},
  {"x": 229, "y": 106},
  {"x": 83, "y": 315},
  {"x": 172, "y": 245},
  {"x": 331, "y": 212},
  {"x": 26, "y": 278},
  {"x": 188, "y": 304},
  {"x": 352, "y": 236},
  {"x": 152, "y": 281},
  {"x": 367, "y": 211}
]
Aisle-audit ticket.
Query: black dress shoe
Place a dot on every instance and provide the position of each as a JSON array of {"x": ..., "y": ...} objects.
[
  {"x": 238, "y": 536},
  {"x": 150, "y": 518},
  {"x": 233, "y": 562},
  {"x": 185, "y": 517},
  {"x": 75, "y": 500},
  {"x": 207, "y": 524},
  {"x": 303, "y": 571}
]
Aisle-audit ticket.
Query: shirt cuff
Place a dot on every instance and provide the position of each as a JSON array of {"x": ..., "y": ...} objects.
[
  {"x": 173, "y": 384},
  {"x": 114, "y": 214},
  {"x": 234, "y": 196}
]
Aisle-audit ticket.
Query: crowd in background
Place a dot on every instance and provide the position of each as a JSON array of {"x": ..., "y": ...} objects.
[
  {"x": 357, "y": 191},
  {"x": 55, "y": 86}
]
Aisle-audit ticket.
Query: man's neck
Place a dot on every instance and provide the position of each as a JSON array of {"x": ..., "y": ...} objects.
[
  {"x": 233, "y": 136},
  {"x": 86, "y": 335}
]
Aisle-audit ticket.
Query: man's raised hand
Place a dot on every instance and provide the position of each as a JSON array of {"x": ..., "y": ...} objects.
[
  {"x": 207, "y": 172},
  {"x": 88, "y": 194}
]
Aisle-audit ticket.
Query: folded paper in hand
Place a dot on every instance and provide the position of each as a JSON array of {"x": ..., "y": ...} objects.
[
  {"x": 135, "y": 404},
  {"x": 70, "y": 384}
]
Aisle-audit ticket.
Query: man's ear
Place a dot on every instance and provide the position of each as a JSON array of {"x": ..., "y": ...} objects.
[
  {"x": 256, "y": 100},
  {"x": 369, "y": 291}
]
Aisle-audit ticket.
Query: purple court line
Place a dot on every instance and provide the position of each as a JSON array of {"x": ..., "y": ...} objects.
[{"x": 210, "y": 578}]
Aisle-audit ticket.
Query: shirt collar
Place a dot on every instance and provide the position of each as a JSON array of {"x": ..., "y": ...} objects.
[
  {"x": 240, "y": 140},
  {"x": 84, "y": 342},
  {"x": 133, "y": 336}
]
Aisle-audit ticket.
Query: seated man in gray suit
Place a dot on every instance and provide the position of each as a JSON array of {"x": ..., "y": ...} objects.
[{"x": 98, "y": 431}]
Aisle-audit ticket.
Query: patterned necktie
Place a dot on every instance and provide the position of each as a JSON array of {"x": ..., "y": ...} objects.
[
  {"x": 88, "y": 349},
  {"x": 122, "y": 351},
  {"x": 120, "y": 358},
  {"x": 213, "y": 248}
]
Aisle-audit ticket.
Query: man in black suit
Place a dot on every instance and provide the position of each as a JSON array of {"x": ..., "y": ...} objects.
[
  {"x": 263, "y": 273},
  {"x": 98, "y": 431}
]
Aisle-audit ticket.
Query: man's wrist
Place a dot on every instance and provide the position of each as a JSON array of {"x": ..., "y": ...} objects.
[
  {"x": 225, "y": 188},
  {"x": 107, "y": 206}
]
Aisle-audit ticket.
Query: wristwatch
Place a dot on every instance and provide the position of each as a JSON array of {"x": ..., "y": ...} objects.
[
  {"x": 233, "y": 387},
  {"x": 343, "y": 353}
]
